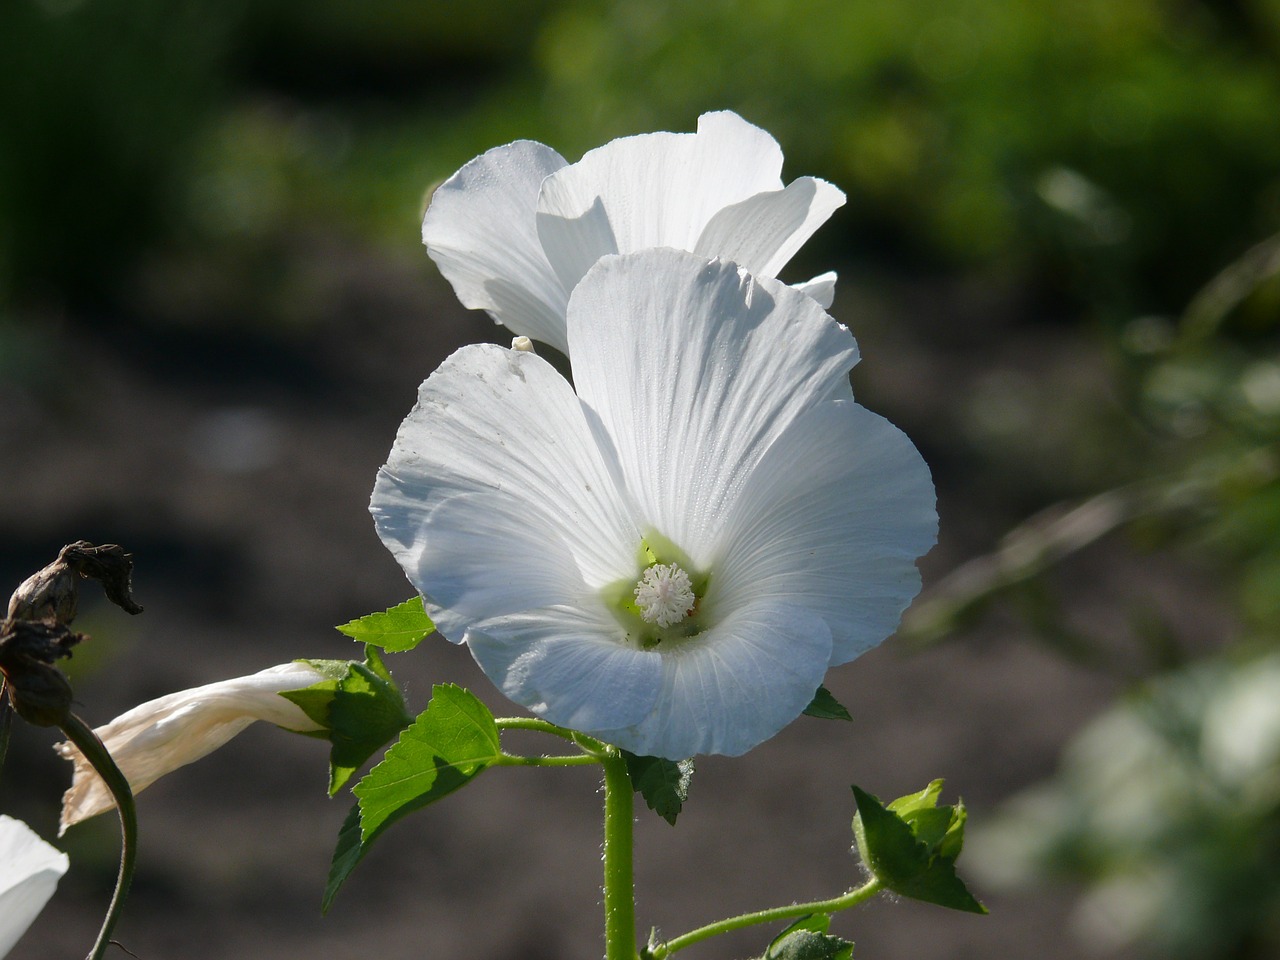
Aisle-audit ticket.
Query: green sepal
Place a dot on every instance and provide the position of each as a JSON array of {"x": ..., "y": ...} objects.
[
  {"x": 664, "y": 784},
  {"x": 360, "y": 708},
  {"x": 824, "y": 706},
  {"x": 445, "y": 748},
  {"x": 911, "y": 846},
  {"x": 807, "y": 939},
  {"x": 395, "y": 630}
]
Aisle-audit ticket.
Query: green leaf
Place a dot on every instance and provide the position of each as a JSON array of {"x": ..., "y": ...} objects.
[
  {"x": 914, "y": 856},
  {"x": 664, "y": 784},
  {"x": 448, "y": 745},
  {"x": 360, "y": 707},
  {"x": 445, "y": 748},
  {"x": 396, "y": 630},
  {"x": 349, "y": 851},
  {"x": 807, "y": 939},
  {"x": 826, "y": 707}
]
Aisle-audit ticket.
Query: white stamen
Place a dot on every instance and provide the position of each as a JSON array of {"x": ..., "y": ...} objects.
[
  {"x": 522, "y": 344},
  {"x": 664, "y": 594}
]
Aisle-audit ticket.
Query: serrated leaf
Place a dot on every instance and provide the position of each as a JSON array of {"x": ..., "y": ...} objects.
[
  {"x": 807, "y": 939},
  {"x": 825, "y": 706},
  {"x": 903, "y": 862},
  {"x": 360, "y": 708},
  {"x": 445, "y": 748},
  {"x": 349, "y": 851},
  {"x": 366, "y": 713},
  {"x": 448, "y": 745},
  {"x": 395, "y": 630},
  {"x": 664, "y": 784}
]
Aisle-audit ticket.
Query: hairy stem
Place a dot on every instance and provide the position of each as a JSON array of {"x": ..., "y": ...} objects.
[
  {"x": 573, "y": 760},
  {"x": 619, "y": 883},
  {"x": 851, "y": 899}
]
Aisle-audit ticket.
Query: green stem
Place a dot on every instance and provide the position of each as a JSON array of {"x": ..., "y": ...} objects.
[
  {"x": 576, "y": 760},
  {"x": 851, "y": 899},
  {"x": 619, "y": 882},
  {"x": 532, "y": 723},
  {"x": 87, "y": 742}
]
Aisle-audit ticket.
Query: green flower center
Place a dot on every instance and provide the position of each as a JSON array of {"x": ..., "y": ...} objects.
[{"x": 661, "y": 605}]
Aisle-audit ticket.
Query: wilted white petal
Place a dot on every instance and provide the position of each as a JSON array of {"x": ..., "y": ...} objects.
[
  {"x": 480, "y": 230},
  {"x": 763, "y": 232},
  {"x": 693, "y": 370},
  {"x": 832, "y": 520},
  {"x": 162, "y": 735},
  {"x": 29, "y": 873}
]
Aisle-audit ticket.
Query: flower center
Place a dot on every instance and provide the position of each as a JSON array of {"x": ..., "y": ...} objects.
[{"x": 664, "y": 594}]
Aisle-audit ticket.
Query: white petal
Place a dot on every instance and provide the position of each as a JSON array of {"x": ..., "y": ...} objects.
[
  {"x": 763, "y": 232},
  {"x": 162, "y": 735},
  {"x": 29, "y": 873},
  {"x": 822, "y": 288},
  {"x": 693, "y": 370},
  {"x": 832, "y": 519},
  {"x": 569, "y": 666},
  {"x": 735, "y": 686},
  {"x": 480, "y": 230},
  {"x": 504, "y": 429},
  {"x": 652, "y": 190},
  {"x": 487, "y": 554}
]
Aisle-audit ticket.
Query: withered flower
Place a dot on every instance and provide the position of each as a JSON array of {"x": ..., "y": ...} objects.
[{"x": 53, "y": 592}]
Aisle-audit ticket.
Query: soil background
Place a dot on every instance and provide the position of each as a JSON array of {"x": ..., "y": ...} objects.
[{"x": 236, "y": 464}]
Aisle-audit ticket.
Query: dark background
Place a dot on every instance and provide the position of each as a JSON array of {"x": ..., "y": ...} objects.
[{"x": 214, "y": 312}]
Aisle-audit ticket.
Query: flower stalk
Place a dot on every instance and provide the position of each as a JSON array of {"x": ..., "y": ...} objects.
[
  {"x": 853, "y": 898},
  {"x": 87, "y": 742},
  {"x": 619, "y": 878}
]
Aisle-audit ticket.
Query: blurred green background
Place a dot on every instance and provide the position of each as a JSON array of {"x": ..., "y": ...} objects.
[{"x": 1061, "y": 236}]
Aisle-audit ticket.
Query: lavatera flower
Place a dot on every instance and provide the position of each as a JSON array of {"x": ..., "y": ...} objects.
[
  {"x": 159, "y": 736},
  {"x": 29, "y": 872},
  {"x": 516, "y": 228},
  {"x": 670, "y": 558}
]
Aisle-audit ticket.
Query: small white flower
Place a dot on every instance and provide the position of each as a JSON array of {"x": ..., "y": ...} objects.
[
  {"x": 29, "y": 873},
  {"x": 516, "y": 228},
  {"x": 162, "y": 735},
  {"x": 671, "y": 557}
]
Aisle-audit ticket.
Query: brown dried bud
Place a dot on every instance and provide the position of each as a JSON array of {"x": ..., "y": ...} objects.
[
  {"x": 53, "y": 593},
  {"x": 40, "y": 694}
]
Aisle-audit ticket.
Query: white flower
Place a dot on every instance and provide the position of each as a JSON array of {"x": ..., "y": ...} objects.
[
  {"x": 516, "y": 228},
  {"x": 162, "y": 735},
  {"x": 713, "y": 432},
  {"x": 29, "y": 873}
]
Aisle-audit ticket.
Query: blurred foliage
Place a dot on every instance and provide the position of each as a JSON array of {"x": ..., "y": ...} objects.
[
  {"x": 1168, "y": 807},
  {"x": 1115, "y": 149},
  {"x": 1133, "y": 139}
]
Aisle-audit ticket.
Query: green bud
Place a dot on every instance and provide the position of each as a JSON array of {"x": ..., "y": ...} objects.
[{"x": 911, "y": 846}]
